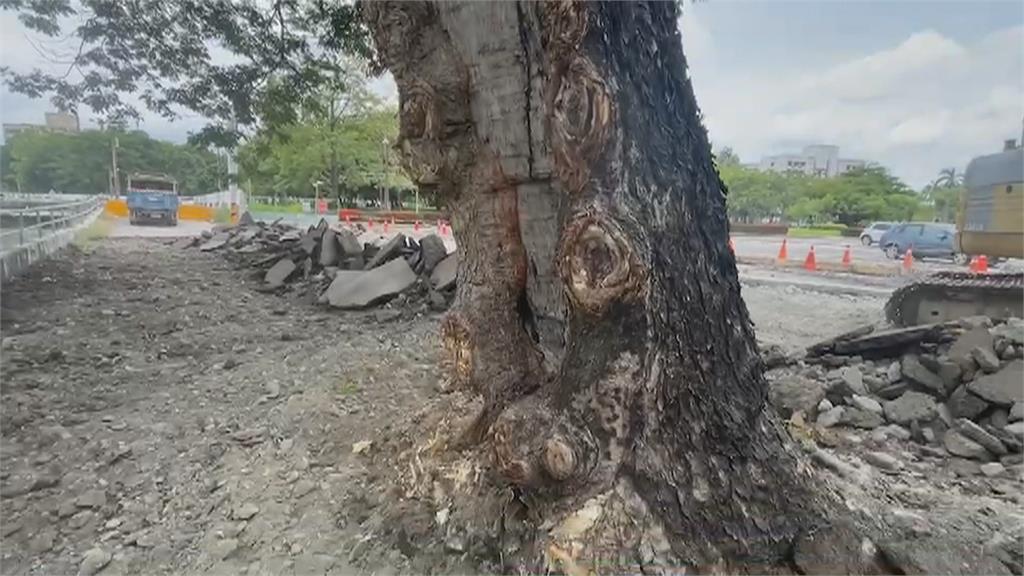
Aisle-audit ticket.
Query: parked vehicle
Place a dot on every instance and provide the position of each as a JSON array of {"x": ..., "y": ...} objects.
[
  {"x": 923, "y": 239},
  {"x": 153, "y": 198},
  {"x": 872, "y": 234}
]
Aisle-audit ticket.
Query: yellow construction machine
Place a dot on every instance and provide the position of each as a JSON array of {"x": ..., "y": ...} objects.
[{"x": 990, "y": 223}]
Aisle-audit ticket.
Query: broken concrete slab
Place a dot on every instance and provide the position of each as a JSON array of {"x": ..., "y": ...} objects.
[
  {"x": 963, "y": 404},
  {"x": 392, "y": 249},
  {"x": 339, "y": 284},
  {"x": 976, "y": 433},
  {"x": 913, "y": 370},
  {"x": 279, "y": 273},
  {"x": 372, "y": 286},
  {"x": 349, "y": 244},
  {"x": 986, "y": 358},
  {"x": 246, "y": 219},
  {"x": 910, "y": 407},
  {"x": 445, "y": 272},
  {"x": 960, "y": 351},
  {"x": 308, "y": 242},
  {"x": 960, "y": 445},
  {"x": 432, "y": 252},
  {"x": 1002, "y": 388},
  {"x": 329, "y": 249},
  {"x": 218, "y": 241}
]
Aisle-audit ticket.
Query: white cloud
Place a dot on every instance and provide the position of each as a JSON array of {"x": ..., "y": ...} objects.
[{"x": 924, "y": 104}]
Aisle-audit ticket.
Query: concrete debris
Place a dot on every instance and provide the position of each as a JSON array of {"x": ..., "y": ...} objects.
[
  {"x": 916, "y": 372},
  {"x": 883, "y": 461},
  {"x": 432, "y": 252},
  {"x": 1002, "y": 388},
  {"x": 391, "y": 250},
  {"x": 327, "y": 265},
  {"x": 444, "y": 274},
  {"x": 796, "y": 394},
  {"x": 218, "y": 241},
  {"x": 279, "y": 273},
  {"x": 972, "y": 431},
  {"x": 910, "y": 407},
  {"x": 986, "y": 358},
  {"x": 956, "y": 389},
  {"x": 959, "y": 445},
  {"x": 329, "y": 249},
  {"x": 374, "y": 286}
]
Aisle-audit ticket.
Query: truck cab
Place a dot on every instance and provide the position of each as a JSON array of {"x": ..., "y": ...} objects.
[{"x": 152, "y": 198}]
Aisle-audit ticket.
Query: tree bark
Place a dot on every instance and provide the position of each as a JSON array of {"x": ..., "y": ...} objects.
[{"x": 598, "y": 308}]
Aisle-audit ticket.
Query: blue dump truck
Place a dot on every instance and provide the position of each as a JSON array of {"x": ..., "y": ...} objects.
[{"x": 152, "y": 198}]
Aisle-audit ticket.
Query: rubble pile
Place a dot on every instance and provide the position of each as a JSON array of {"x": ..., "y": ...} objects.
[
  {"x": 334, "y": 265},
  {"x": 957, "y": 389}
]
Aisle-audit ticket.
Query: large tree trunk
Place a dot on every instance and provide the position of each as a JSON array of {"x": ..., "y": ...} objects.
[{"x": 598, "y": 310}]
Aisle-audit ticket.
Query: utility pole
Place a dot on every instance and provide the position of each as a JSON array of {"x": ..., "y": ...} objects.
[
  {"x": 115, "y": 183},
  {"x": 232, "y": 167}
]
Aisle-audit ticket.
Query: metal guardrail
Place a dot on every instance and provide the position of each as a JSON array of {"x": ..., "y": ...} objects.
[{"x": 23, "y": 226}]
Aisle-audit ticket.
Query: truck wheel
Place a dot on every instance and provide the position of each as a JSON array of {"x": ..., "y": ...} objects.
[
  {"x": 960, "y": 259},
  {"x": 892, "y": 251},
  {"x": 865, "y": 240}
]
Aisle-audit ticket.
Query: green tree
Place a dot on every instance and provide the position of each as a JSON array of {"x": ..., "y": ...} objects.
[
  {"x": 727, "y": 157},
  {"x": 40, "y": 161}
]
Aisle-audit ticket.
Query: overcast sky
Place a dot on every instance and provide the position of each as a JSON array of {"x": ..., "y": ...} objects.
[{"x": 916, "y": 86}]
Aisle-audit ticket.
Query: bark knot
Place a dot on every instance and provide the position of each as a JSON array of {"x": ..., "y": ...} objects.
[
  {"x": 582, "y": 115},
  {"x": 597, "y": 262}
]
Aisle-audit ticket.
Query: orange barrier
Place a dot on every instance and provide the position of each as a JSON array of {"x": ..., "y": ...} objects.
[
  {"x": 979, "y": 264},
  {"x": 116, "y": 208},
  {"x": 119, "y": 207}
]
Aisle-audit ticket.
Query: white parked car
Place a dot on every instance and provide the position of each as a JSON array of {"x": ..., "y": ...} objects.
[{"x": 873, "y": 234}]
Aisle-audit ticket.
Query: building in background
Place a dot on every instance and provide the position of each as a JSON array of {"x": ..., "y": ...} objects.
[
  {"x": 818, "y": 160},
  {"x": 55, "y": 122}
]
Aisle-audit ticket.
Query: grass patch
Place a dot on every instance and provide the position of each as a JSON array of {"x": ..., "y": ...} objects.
[
  {"x": 814, "y": 233},
  {"x": 93, "y": 233},
  {"x": 289, "y": 208}
]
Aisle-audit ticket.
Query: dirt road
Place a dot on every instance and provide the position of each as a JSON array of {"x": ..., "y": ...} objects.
[
  {"x": 161, "y": 415},
  {"x": 158, "y": 409}
]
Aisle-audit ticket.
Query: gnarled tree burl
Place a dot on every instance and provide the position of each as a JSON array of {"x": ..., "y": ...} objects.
[{"x": 598, "y": 310}]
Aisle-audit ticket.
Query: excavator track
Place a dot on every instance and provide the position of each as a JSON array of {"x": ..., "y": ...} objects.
[{"x": 950, "y": 295}]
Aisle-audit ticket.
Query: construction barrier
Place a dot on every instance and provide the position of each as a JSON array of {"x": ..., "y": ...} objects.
[{"x": 119, "y": 207}]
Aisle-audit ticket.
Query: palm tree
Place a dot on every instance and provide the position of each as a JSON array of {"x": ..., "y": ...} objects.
[{"x": 948, "y": 178}]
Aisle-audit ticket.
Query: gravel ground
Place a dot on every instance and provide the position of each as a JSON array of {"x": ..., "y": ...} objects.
[{"x": 160, "y": 415}]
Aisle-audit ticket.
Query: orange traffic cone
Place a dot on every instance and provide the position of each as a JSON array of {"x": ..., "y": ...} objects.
[
  {"x": 416, "y": 226},
  {"x": 783, "y": 252},
  {"x": 982, "y": 264},
  {"x": 810, "y": 263},
  {"x": 847, "y": 257},
  {"x": 908, "y": 260},
  {"x": 386, "y": 224},
  {"x": 369, "y": 224},
  {"x": 732, "y": 245}
]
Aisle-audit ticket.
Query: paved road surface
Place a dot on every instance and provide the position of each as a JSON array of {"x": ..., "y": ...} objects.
[{"x": 122, "y": 229}]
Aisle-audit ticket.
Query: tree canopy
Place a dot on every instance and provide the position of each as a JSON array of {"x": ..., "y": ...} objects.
[
  {"x": 230, "y": 61},
  {"x": 289, "y": 161},
  {"x": 856, "y": 197},
  {"x": 39, "y": 161}
]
